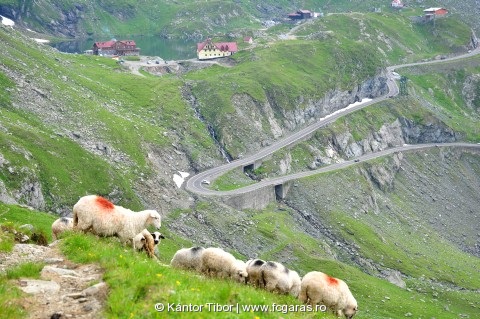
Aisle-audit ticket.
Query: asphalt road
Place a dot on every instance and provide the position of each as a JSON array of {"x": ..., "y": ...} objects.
[{"x": 194, "y": 183}]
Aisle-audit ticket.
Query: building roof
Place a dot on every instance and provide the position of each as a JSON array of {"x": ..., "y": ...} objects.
[
  {"x": 128, "y": 42},
  {"x": 222, "y": 46},
  {"x": 304, "y": 11},
  {"x": 433, "y": 9},
  {"x": 106, "y": 44}
]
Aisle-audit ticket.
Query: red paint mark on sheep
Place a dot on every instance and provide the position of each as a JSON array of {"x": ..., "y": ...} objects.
[
  {"x": 104, "y": 203},
  {"x": 332, "y": 281}
]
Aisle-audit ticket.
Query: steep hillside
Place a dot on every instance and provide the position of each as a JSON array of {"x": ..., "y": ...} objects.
[
  {"x": 134, "y": 133},
  {"x": 280, "y": 86},
  {"x": 187, "y": 19},
  {"x": 73, "y": 125}
]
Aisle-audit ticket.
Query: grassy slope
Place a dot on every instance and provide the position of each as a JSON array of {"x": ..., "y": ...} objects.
[
  {"x": 397, "y": 232},
  {"x": 137, "y": 283},
  {"x": 128, "y": 113}
]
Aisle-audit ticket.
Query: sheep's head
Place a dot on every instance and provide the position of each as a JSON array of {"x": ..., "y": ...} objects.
[
  {"x": 157, "y": 236},
  {"x": 154, "y": 219},
  {"x": 350, "y": 311},
  {"x": 241, "y": 273}
]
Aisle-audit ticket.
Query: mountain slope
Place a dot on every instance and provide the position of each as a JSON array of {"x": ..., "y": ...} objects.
[
  {"x": 193, "y": 18},
  {"x": 73, "y": 124}
]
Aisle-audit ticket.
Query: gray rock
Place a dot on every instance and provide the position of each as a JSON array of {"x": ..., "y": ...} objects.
[
  {"x": 95, "y": 290},
  {"x": 394, "y": 277},
  {"x": 59, "y": 271},
  {"x": 32, "y": 286}
]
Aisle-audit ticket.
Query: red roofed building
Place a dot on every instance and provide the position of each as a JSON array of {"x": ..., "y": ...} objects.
[
  {"x": 114, "y": 47},
  {"x": 432, "y": 13},
  {"x": 212, "y": 50}
]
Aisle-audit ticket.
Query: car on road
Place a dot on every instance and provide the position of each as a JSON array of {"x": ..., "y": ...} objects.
[
  {"x": 356, "y": 160},
  {"x": 206, "y": 182}
]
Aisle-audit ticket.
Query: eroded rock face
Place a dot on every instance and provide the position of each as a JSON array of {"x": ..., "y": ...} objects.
[{"x": 471, "y": 91}]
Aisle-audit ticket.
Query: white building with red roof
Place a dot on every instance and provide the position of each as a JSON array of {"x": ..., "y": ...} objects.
[{"x": 212, "y": 50}]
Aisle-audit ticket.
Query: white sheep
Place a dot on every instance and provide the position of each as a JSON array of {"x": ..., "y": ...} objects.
[
  {"x": 103, "y": 218},
  {"x": 188, "y": 258},
  {"x": 148, "y": 241},
  {"x": 278, "y": 278},
  {"x": 254, "y": 273},
  {"x": 218, "y": 263},
  {"x": 318, "y": 288},
  {"x": 60, "y": 225}
]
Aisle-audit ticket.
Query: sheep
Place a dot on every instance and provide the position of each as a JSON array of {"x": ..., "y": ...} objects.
[
  {"x": 60, "y": 225},
  {"x": 276, "y": 277},
  {"x": 319, "y": 288},
  {"x": 103, "y": 218},
  {"x": 218, "y": 263},
  {"x": 295, "y": 282},
  {"x": 254, "y": 274},
  {"x": 147, "y": 241},
  {"x": 188, "y": 258},
  {"x": 157, "y": 237}
]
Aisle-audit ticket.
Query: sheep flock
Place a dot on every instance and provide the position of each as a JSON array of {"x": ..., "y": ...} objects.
[{"x": 99, "y": 216}]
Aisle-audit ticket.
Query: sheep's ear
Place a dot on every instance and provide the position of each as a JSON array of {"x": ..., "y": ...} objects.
[
  {"x": 143, "y": 239},
  {"x": 162, "y": 237},
  {"x": 153, "y": 214}
]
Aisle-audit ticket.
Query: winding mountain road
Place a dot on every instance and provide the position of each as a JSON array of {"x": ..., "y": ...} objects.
[{"x": 195, "y": 185}]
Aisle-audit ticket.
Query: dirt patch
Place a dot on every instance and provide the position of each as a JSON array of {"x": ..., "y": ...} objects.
[{"x": 64, "y": 290}]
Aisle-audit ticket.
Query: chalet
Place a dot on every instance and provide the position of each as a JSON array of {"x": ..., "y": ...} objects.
[
  {"x": 212, "y": 50},
  {"x": 301, "y": 14},
  {"x": 432, "y": 13},
  {"x": 114, "y": 47},
  {"x": 397, "y": 4},
  {"x": 248, "y": 40}
]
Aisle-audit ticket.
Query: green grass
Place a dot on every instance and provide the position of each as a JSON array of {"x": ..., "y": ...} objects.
[
  {"x": 231, "y": 180},
  {"x": 13, "y": 216},
  {"x": 9, "y": 295},
  {"x": 25, "y": 270}
]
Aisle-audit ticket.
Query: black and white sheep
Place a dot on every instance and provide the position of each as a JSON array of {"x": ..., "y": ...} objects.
[
  {"x": 254, "y": 272},
  {"x": 218, "y": 263},
  {"x": 318, "y": 288},
  {"x": 278, "y": 278},
  {"x": 97, "y": 214},
  {"x": 188, "y": 258},
  {"x": 60, "y": 225},
  {"x": 148, "y": 241}
]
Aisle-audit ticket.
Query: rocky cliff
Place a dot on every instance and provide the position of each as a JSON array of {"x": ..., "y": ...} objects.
[{"x": 255, "y": 124}]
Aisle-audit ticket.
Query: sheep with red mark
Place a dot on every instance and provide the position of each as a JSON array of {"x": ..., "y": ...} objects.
[
  {"x": 278, "y": 278},
  {"x": 254, "y": 272},
  {"x": 188, "y": 258},
  {"x": 218, "y": 263},
  {"x": 60, "y": 225},
  {"x": 101, "y": 217},
  {"x": 318, "y": 288}
]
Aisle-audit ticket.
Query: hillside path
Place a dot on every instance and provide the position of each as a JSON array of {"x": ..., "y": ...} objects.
[{"x": 64, "y": 289}]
